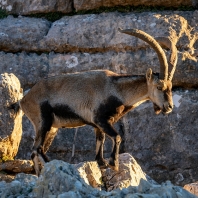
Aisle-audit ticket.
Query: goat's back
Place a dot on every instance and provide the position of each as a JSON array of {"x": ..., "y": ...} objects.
[{"x": 82, "y": 91}]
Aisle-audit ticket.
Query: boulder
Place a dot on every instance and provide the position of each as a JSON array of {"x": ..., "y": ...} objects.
[
  {"x": 20, "y": 7},
  {"x": 17, "y": 166},
  {"x": 10, "y": 124},
  {"x": 21, "y": 186},
  {"x": 129, "y": 174},
  {"x": 91, "y": 173},
  {"x": 60, "y": 179}
]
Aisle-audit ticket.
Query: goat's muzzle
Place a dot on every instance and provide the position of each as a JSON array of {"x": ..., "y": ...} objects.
[{"x": 165, "y": 110}]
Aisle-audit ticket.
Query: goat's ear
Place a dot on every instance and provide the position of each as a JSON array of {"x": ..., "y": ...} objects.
[{"x": 149, "y": 75}]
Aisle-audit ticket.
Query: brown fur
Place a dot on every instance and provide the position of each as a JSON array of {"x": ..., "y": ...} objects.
[{"x": 98, "y": 98}]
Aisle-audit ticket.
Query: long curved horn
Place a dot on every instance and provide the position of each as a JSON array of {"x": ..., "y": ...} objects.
[
  {"x": 167, "y": 43},
  {"x": 154, "y": 44}
]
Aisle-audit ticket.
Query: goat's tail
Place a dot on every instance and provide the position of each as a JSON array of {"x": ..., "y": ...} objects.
[{"x": 16, "y": 107}]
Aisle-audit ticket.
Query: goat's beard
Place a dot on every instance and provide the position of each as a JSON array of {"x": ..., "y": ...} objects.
[{"x": 156, "y": 109}]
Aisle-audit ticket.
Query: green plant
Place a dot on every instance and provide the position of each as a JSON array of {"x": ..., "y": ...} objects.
[{"x": 3, "y": 14}]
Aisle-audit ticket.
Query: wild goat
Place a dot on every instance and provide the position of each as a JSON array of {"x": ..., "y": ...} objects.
[{"x": 98, "y": 98}]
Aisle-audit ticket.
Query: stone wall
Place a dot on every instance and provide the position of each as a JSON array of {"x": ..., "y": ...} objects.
[
  {"x": 10, "y": 124},
  {"x": 34, "y": 48},
  {"x": 27, "y": 7}
]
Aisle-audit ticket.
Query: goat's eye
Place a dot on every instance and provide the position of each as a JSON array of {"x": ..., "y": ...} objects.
[{"x": 159, "y": 88}]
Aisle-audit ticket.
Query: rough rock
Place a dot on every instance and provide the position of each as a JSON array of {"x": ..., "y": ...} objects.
[
  {"x": 30, "y": 68},
  {"x": 6, "y": 177},
  {"x": 97, "y": 32},
  {"x": 27, "y": 7},
  {"x": 17, "y": 166},
  {"x": 21, "y": 187},
  {"x": 10, "y": 125},
  {"x": 91, "y": 46},
  {"x": 91, "y": 173},
  {"x": 22, "y": 33},
  {"x": 60, "y": 179},
  {"x": 129, "y": 174},
  {"x": 192, "y": 188},
  {"x": 94, "y": 4}
]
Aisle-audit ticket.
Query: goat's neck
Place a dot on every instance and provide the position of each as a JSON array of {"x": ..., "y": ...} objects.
[{"x": 134, "y": 90}]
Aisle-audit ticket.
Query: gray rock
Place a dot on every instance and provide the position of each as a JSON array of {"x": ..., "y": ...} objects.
[
  {"x": 30, "y": 68},
  {"x": 21, "y": 187},
  {"x": 10, "y": 125},
  {"x": 21, "y": 7},
  {"x": 88, "y": 5},
  {"x": 80, "y": 32},
  {"x": 22, "y": 33},
  {"x": 17, "y": 166},
  {"x": 98, "y": 32},
  {"x": 60, "y": 179},
  {"x": 94, "y": 46}
]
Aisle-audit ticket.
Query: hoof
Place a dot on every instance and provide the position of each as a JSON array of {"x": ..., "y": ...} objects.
[{"x": 43, "y": 155}]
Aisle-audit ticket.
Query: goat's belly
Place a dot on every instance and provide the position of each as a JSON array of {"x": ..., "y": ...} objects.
[{"x": 67, "y": 123}]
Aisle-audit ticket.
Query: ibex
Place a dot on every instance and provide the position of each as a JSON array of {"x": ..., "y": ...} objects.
[{"x": 98, "y": 98}]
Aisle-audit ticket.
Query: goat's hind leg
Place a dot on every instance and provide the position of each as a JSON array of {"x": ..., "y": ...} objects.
[
  {"x": 49, "y": 137},
  {"x": 42, "y": 125},
  {"x": 39, "y": 156},
  {"x": 100, "y": 139}
]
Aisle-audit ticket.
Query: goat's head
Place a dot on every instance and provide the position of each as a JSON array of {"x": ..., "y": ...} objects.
[
  {"x": 159, "y": 88},
  {"x": 159, "y": 92}
]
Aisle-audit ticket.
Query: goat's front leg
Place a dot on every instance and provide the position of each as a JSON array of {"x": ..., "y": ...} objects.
[
  {"x": 116, "y": 140},
  {"x": 100, "y": 139},
  {"x": 42, "y": 142}
]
